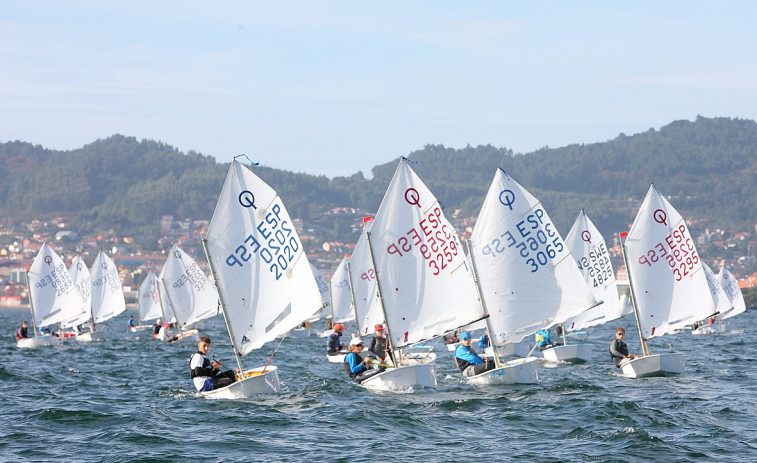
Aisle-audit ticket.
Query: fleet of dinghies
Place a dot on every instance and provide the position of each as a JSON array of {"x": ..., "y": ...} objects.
[{"x": 409, "y": 273}]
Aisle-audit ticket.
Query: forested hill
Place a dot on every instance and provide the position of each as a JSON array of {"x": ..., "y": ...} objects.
[{"x": 707, "y": 167}]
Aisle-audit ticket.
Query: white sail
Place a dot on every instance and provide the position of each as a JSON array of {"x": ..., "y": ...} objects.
[
  {"x": 590, "y": 252},
  {"x": 165, "y": 303},
  {"x": 323, "y": 289},
  {"x": 363, "y": 277},
  {"x": 83, "y": 283},
  {"x": 731, "y": 287},
  {"x": 668, "y": 281},
  {"x": 719, "y": 297},
  {"x": 259, "y": 262},
  {"x": 53, "y": 295},
  {"x": 149, "y": 298},
  {"x": 341, "y": 294},
  {"x": 425, "y": 281},
  {"x": 528, "y": 277},
  {"x": 193, "y": 297},
  {"x": 107, "y": 292}
]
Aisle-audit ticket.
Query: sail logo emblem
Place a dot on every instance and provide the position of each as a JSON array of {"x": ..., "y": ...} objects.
[
  {"x": 247, "y": 199},
  {"x": 48, "y": 260},
  {"x": 660, "y": 217},
  {"x": 586, "y": 236},
  {"x": 245, "y": 340},
  {"x": 412, "y": 197},
  {"x": 509, "y": 198}
]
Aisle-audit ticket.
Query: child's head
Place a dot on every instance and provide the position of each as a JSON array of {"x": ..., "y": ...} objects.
[{"x": 204, "y": 344}]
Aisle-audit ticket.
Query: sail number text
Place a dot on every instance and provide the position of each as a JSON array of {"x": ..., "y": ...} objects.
[
  {"x": 535, "y": 239},
  {"x": 432, "y": 239},
  {"x": 597, "y": 265},
  {"x": 677, "y": 250},
  {"x": 59, "y": 279},
  {"x": 193, "y": 275},
  {"x": 276, "y": 244}
]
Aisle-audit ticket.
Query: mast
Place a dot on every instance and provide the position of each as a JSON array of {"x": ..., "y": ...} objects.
[
  {"x": 352, "y": 297},
  {"x": 31, "y": 305},
  {"x": 381, "y": 298},
  {"x": 223, "y": 307},
  {"x": 489, "y": 328},
  {"x": 644, "y": 344}
]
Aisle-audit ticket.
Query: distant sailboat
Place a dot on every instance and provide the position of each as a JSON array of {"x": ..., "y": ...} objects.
[
  {"x": 193, "y": 297},
  {"x": 52, "y": 296},
  {"x": 261, "y": 271},
  {"x": 528, "y": 278},
  {"x": 149, "y": 299},
  {"x": 107, "y": 292},
  {"x": 668, "y": 284},
  {"x": 83, "y": 283},
  {"x": 732, "y": 290},
  {"x": 593, "y": 260},
  {"x": 342, "y": 304},
  {"x": 713, "y": 324}
]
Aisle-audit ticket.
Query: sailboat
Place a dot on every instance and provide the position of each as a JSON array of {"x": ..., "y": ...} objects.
[
  {"x": 264, "y": 280},
  {"x": 593, "y": 260},
  {"x": 732, "y": 290},
  {"x": 107, "y": 293},
  {"x": 527, "y": 276},
  {"x": 667, "y": 281},
  {"x": 148, "y": 297},
  {"x": 322, "y": 311},
  {"x": 342, "y": 304},
  {"x": 83, "y": 282},
  {"x": 423, "y": 281},
  {"x": 52, "y": 296},
  {"x": 713, "y": 324},
  {"x": 190, "y": 292}
]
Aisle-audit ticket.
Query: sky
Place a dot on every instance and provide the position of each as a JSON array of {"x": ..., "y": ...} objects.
[{"x": 336, "y": 87}]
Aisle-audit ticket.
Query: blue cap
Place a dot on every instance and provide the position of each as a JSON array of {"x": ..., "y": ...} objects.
[{"x": 465, "y": 336}]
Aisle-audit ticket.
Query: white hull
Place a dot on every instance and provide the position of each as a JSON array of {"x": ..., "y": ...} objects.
[
  {"x": 41, "y": 341},
  {"x": 574, "y": 353},
  {"x": 405, "y": 378},
  {"x": 653, "y": 365},
  {"x": 518, "y": 371},
  {"x": 91, "y": 336},
  {"x": 266, "y": 383},
  {"x": 191, "y": 335},
  {"x": 514, "y": 349},
  {"x": 338, "y": 358},
  {"x": 299, "y": 333},
  {"x": 709, "y": 329},
  {"x": 134, "y": 329}
]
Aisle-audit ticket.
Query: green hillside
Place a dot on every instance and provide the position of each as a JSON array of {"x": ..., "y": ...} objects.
[{"x": 707, "y": 167}]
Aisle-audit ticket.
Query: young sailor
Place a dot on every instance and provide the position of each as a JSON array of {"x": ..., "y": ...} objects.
[
  {"x": 205, "y": 375},
  {"x": 23, "y": 332},
  {"x": 156, "y": 328},
  {"x": 468, "y": 361},
  {"x": 357, "y": 368},
  {"x": 619, "y": 349},
  {"x": 379, "y": 345},
  {"x": 334, "y": 343},
  {"x": 543, "y": 340}
]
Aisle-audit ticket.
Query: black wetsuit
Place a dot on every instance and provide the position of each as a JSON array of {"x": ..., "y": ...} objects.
[{"x": 618, "y": 351}]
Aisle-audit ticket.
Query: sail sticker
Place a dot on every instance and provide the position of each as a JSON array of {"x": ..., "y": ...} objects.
[
  {"x": 676, "y": 250},
  {"x": 432, "y": 238},
  {"x": 535, "y": 239},
  {"x": 247, "y": 199},
  {"x": 245, "y": 340},
  {"x": 412, "y": 197},
  {"x": 508, "y": 199}
]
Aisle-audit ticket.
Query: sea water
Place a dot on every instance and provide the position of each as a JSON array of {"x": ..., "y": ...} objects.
[{"x": 130, "y": 398}]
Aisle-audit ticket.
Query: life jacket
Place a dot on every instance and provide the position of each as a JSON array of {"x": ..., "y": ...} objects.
[
  {"x": 620, "y": 347},
  {"x": 334, "y": 342},
  {"x": 463, "y": 364},
  {"x": 204, "y": 370},
  {"x": 347, "y": 365},
  {"x": 18, "y": 333}
]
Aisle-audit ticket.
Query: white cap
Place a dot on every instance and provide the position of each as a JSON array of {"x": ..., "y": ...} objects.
[{"x": 356, "y": 341}]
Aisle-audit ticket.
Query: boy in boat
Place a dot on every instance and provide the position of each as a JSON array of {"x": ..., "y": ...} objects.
[
  {"x": 23, "y": 332},
  {"x": 335, "y": 340},
  {"x": 206, "y": 375},
  {"x": 165, "y": 334},
  {"x": 619, "y": 349},
  {"x": 543, "y": 340},
  {"x": 357, "y": 368},
  {"x": 380, "y": 345},
  {"x": 156, "y": 328},
  {"x": 468, "y": 361},
  {"x": 130, "y": 323}
]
